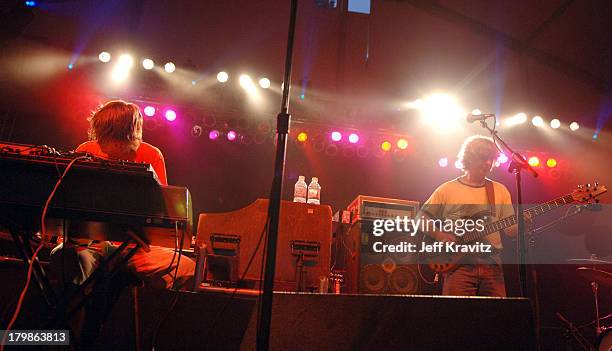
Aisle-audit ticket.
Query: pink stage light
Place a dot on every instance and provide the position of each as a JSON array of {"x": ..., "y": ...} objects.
[
  {"x": 502, "y": 158},
  {"x": 149, "y": 111},
  {"x": 170, "y": 115},
  {"x": 458, "y": 164},
  {"x": 336, "y": 136},
  {"x": 213, "y": 134},
  {"x": 231, "y": 135},
  {"x": 353, "y": 138},
  {"x": 443, "y": 162}
]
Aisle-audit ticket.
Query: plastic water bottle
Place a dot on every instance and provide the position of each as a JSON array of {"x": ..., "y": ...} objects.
[
  {"x": 314, "y": 191},
  {"x": 300, "y": 190}
]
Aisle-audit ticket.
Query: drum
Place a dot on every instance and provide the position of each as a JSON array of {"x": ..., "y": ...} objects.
[{"x": 605, "y": 340}]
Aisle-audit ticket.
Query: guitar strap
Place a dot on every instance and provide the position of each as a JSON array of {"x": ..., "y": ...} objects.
[{"x": 490, "y": 196}]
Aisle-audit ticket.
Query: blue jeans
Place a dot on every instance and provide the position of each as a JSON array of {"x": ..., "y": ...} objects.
[{"x": 475, "y": 280}]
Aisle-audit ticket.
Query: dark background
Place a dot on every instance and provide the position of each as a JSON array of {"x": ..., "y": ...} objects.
[{"x": 356, "y": 71}]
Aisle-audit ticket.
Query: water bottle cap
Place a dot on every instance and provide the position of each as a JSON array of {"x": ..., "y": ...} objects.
[
  {"x": 301, "y": 178},
  {"x": 315, "y": 179}
]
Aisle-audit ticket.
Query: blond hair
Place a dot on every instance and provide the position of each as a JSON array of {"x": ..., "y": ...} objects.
[
  {"x": 118, "y": 121},
  {"x": 477, "y": 147}
]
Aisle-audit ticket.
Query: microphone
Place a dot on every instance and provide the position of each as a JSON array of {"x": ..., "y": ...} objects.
[{"x": 471, "y": 118}]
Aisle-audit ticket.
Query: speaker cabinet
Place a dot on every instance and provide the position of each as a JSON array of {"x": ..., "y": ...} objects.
[{"x": 369, "y": 272}]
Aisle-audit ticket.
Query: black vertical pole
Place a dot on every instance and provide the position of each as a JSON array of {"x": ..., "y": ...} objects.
[
  {"x": 522, "y": 246},
  {"x": 282, "y": 121}
]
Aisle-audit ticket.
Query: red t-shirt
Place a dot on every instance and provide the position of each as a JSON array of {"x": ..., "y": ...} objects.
[{"x": 146, "y": 153}]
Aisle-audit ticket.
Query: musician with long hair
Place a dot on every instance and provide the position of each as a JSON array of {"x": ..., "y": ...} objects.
[{"x": 467, "y": 197}]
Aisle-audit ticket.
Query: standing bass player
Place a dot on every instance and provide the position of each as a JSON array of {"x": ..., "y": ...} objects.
[{"x": 472, "y": 195}]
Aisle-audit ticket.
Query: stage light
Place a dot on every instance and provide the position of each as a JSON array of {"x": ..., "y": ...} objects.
[
  {"x": 574, "y": 126},
  {"x": 264, "y": 83},
  {"x": 148, "y": 64},
  {"x": 537, "y": 121},
  {"x": 247, "y": 83},
  {"x": 126, "y": 61},
  {"x": 458, "y": 164},
  {"x": 555, "y": 123},
  {"x": 402, "y": 144},
  {"x": 476, "y": 112},
  {"x": 222, "y": 77},
  {"x": 213, "y": 134},
  {"x": 170, "y": 115},
  {"x": 353, "y": 138},
  {"x": 385, "y": 146},
  {"x": 104, "y": 57},
  {"x": 551, "y": 163},
  {"x": 30, "y": 3},
  {"x": 302, "y": 137},
  {"x": 519, "y": 118},
  {"x": 121, "y": 71},
  {"x": 442, "y": 112},
  {"x": 336, "y": 136},
  {"x": 502, "y": 158},
  {"x": 534, "y": 161},
  {"x": 70, "y": 66},
  {"x": 196, "y": 131},
  {"x": 231, "y": 135},
  {"x": 443, "y": 162},
  {"x": 169, "y": 67},
  {"x": 149, "y": 111},
  {"x": 194, "y": 82}
]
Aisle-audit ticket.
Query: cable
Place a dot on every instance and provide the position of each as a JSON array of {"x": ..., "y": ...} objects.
[
  {"x": 176, "y": 294},
  {"x": 419, "y": 270},
  {"x": 40, "y": 246}
]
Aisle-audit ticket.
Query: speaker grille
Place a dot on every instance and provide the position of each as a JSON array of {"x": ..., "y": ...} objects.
[
  {"x": 373, "y": 279},
  {"x": 404, "y": 280}
]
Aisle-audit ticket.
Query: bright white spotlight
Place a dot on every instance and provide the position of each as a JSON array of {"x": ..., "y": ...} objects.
[
  {"x": 555, "y": 123},
  {"x": 476, "y": 112},
  {"x": 169, "y": 67},
  {"x": 148, "y": 64},
  {"x": 519, "y": 118},
  {"x": 121, "y": 71},
  {"x": 222, "y": 77},
  {"x": 247, "y": 83},
  {"x": 574, "y": 126},
  {"x": 264, "y": 83},
  {"x": 442, "y": 112},
  {"x": 537, "y": 121},
  {"x": 104, "y": 57},
  {"x": 126, "y": 61}
]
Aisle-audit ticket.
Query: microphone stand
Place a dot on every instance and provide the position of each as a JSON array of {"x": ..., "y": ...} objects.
[
  {"x": 517, "y": 164},
  {"x": 283, "y": 120}
]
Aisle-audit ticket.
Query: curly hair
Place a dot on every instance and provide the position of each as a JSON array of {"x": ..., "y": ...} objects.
[
  {"x": 477, "y": 147},
  {"x": 116, "y": 120}
]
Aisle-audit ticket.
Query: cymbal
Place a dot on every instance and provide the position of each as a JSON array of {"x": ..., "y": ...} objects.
[
  {"x": 588, "y": 261},
  {"x": 596, "y": 275}
]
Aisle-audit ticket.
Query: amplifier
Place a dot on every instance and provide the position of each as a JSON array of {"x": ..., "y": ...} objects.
[{"x": 370, "y": 207}]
